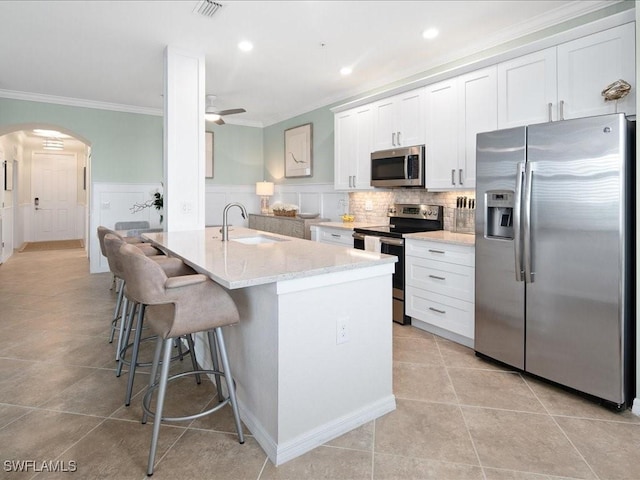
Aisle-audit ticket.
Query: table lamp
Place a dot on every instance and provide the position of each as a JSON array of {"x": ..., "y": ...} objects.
[{"x": 265, "y": 190}]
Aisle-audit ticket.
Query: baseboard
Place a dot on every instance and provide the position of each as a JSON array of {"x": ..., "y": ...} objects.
[{"x": 281, "y": 453}]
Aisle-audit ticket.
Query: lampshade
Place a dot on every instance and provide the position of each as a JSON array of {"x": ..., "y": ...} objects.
[{"x": 264, "y": 189}]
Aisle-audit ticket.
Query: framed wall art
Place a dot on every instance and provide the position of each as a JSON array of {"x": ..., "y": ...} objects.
[
  {"x": 298, "y": 159},
  {"x": 208, "y": 154}
]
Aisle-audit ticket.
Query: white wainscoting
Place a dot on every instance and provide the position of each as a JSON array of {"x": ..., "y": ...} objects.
[
  {"x": 111, "y": 203},
  {"x": 315, "y": 198},
  {"x": 6, "y": 233}
]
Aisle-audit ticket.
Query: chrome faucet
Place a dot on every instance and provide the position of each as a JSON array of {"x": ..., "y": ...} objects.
[{"x": 225, "y": 224}]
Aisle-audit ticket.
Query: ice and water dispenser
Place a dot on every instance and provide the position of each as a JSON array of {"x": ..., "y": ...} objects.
[{"x": 499, "y": 214}]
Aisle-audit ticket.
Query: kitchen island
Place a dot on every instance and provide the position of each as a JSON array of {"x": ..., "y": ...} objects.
[{"x": 312, "y": 354}]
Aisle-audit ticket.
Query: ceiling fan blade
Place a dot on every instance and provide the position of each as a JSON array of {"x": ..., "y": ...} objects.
[
  {"x": 220, "y": 121},
  {"x": 230, "y": 111}
]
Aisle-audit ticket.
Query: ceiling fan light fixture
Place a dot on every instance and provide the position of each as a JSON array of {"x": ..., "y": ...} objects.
[{"x": 212, "y": 117}]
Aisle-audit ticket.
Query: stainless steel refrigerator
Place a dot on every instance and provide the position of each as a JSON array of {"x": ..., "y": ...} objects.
[{"x": 555, "y": 252}]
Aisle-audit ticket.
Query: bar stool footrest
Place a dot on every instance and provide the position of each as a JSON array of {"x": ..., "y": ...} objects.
[{"x": 147, "y": 397}]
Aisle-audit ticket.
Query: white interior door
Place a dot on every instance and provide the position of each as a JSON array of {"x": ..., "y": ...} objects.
[{"x": 54, "y": 190}]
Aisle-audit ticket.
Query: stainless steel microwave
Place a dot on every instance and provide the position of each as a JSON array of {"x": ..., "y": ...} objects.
[{"x": 399, "y": 167}]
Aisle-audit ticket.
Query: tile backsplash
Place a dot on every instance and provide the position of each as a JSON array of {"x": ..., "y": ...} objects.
[{"x": 373, "y": 206}]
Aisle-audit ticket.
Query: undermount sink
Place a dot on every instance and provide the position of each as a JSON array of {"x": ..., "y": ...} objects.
[{"x": 258, "y": 239}]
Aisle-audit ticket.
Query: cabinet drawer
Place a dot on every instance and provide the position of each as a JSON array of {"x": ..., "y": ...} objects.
[
  {"x": 456, "y": 316},
  {"x": 448, "y": 279},
  {"x": 443, "y": 252},
  {"x": 336, "y": 237}
]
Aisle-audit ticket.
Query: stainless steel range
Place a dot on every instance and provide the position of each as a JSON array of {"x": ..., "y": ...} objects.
[{"x": 403, "y": 218}]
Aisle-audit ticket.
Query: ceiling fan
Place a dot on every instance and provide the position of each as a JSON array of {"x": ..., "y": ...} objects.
[{"x": 212, "y": 114}]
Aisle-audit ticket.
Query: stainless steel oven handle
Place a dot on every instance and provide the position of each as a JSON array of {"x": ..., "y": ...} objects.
[{"x": 397, "y": 242}]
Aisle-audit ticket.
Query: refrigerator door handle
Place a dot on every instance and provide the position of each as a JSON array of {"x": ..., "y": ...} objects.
[
  {"x": 517, "y": 208},
  {"x": 526, "y": 222}
]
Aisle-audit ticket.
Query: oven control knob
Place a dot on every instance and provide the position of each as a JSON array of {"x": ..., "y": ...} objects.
[{"x": 424, "y": 213}]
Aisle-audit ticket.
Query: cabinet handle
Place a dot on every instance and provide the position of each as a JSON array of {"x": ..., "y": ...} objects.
[
  {"x": 561, "y": 109},
  {"x": 393, "y": 139},
  {"x": 550, "y": 107},
  {"x": 460, "y": 176},
  {"x": 437, "y": 277},
  {"x": 453, "y": 176},
  {"x": 436, "y": 251},
  {"x": 436, "y": 310},
  {"x": 398, "y": 137},
  {"x": 354, "y": 181},
  {"x": 336, "y": 235}
]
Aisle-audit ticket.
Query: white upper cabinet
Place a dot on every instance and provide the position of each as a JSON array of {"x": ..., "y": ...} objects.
[
  {"x": 457, "y": 110},
  {"x": 478, "y": 101},
  {"x": 587, "y": 65},
  {"x": 353, "y": 139},
  {"x": 399, "y": 121},
  {"x": 527, "y": 89},
  {"x": 441, "y": 157},
  {"x": 566, "y": 81}
]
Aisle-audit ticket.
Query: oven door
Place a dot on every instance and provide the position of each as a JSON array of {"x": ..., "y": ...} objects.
[{"x": 391, "y": 246}]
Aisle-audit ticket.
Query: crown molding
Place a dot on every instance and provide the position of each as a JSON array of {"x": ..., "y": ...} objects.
[{"x": 78, "y": 102}]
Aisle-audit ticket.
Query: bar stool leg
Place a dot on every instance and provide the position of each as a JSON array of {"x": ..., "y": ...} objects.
[
  {"x": 216, "y": 365},
  {"x": 116, "y": 313},
  {"x": 154, "y": 373},
  {"x": 162, "y": 389},
  {"x": 123, "y": 322},
  {"x": 125, "y": 337},
  {"x": 192, "y": 353},
  {"x": 229, "y": 379},
  {"x": 134, "y": 355}
]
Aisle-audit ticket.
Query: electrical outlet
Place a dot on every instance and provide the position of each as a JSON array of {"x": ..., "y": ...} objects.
[
  {"x": 368, "y": 205},
  {"x": 342, "y": 330}
]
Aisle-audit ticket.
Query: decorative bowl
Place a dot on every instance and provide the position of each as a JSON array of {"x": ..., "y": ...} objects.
[
  {"x": 308, "y": 215},
  {"x": 284, "y": 213}
]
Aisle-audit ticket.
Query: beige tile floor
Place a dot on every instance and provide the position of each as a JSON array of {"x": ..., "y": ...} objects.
[{"x": 457, "y": 416}]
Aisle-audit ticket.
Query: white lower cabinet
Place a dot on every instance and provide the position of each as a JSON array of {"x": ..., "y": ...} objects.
[
  {"x": 333, "y": 236},
  {"x": 439, "y": 288}
]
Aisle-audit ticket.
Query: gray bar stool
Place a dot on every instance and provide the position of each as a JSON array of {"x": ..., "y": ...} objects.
[
  {"x": 117, "y": 280},
  {"x": 180, "y": 306},
  {"x": 172, "y": 267}
]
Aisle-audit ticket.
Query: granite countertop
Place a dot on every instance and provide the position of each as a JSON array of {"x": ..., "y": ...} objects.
[
  {"x": 347, "y": 225},
  {"x": 444, "y": 236},
  {"x": 236, "y": 265}
]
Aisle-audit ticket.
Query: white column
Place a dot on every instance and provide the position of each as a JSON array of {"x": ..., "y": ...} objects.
[{"x": 184, "y": 164}]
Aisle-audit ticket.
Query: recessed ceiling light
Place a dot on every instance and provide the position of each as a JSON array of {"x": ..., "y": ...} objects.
[
  {"x": 245, "y": 46},
  {"x": 430, "y": 33},
  {"x": 346, "y": 71},
  {"x": 49, "y": 133}
]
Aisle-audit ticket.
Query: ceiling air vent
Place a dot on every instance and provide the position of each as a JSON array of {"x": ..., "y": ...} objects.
[{"x": 207, "y": 8}]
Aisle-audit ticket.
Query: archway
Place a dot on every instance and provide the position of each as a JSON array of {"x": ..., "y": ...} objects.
[{"x": 19, "y": 145}]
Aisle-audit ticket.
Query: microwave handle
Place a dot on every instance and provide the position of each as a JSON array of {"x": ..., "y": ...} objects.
[{"x": 407, "y": 167}]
